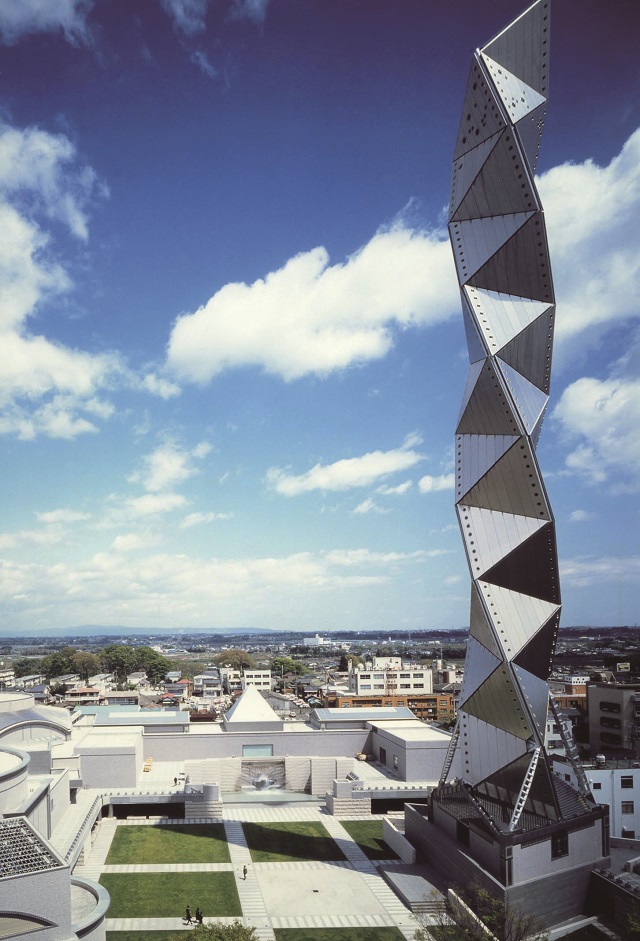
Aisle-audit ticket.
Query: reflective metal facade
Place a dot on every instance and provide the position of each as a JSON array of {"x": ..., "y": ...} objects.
[{"x": 497, "y": 232}]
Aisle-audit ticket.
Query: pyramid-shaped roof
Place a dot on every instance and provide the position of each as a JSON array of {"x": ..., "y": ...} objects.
[{"x": 251, "y": 710}]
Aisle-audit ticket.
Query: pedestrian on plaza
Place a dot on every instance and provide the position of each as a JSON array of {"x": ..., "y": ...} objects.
[
  {"x": 244, "y": 873},
  {"x": 187, "y": 916},
  {"x": 198, "y": 916},
  {"x": 175, "y": 782}
]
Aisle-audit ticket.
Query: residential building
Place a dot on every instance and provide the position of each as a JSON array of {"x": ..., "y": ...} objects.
[
  {"x": 261, "y": 679},
  {"x": 614, "y": 719},
  {"x": 389, "y": 676},
  {"x": 7, "y": 678}
]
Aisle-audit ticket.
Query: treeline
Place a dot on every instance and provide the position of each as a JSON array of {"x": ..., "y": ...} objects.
[{"x": 119, "y": 659}]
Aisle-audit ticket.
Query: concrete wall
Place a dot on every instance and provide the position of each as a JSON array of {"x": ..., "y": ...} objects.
[
  {"x": 531, "y": 859},
  {"x": 395, "y": 838},
  {"x": 199, "y": 744},
  {"x": 417, "y": 760},
  {"x": 14, "y": 770},
  {"x": 45, "y": 895},
  {"x": 107, "y": 764}
]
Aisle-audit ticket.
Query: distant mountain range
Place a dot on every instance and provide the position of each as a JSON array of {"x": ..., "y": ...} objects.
[{"x": 100, "y": 630}]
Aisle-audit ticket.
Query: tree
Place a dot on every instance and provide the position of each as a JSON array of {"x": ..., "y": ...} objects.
[
  {"x": 235, "y": 658},
  {"x": 505, "y": 922},
  {"x": 155, "y": 666},
  {"x": 118, "y": 659},
  {"x": 282, "y": 665},
  {"x": 85, "y": 664},
  {"x": 343, "y": 665},
  {"x": 26, "y": 666},
  {"x": 236, "y": 931}
]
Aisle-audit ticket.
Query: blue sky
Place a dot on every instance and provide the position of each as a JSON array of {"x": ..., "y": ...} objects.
[{"x": 233, "y": 353}]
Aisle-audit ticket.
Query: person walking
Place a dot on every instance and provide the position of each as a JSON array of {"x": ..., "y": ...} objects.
[
  {"x": 187, "y": 916},
  {"x": 244, "y": 873},
  {"x": 198, "y": 916}
]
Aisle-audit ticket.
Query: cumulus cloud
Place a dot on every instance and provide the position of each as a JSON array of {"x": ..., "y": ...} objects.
[
  {"x": 62, "y": 515},
  {"x": 168, "y": 465},
  {"x": 397, "y": 491},
  {"x": 22, "y": 17},
  {"x": 428, "y": 484},
  {"x": 310, "y": 317},
  {"x": 594, "y": 239},
  {"x": 582, "y": 516},
  {"x": 347, "y": 473},
  {"x": 601, "y": 421},
  {"x": 583, "y": 572},
  {"x": 369, "y": 506},
  {"x": 159, "y": 386},
  {"x": 200, "y": 519},
  {"x": 151, "y": 504}
]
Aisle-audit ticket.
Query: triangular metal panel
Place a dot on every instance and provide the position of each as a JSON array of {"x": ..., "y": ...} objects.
[
  {"x": 481, "y": 114},
  {"x": 498, "y": 187},
  {"x": 486, "y": 410},
  {"x": 523, "y": 47},
  {"x": 498, "y": 702},
  {"x": 476, "y": 240},
  {"x": 466, "y": 168},
  {"x": 475, "y": 454},
  {"x": 518, "y": 98},
  {"x": 504, "y": 317},
  {"x": 530, "y": 568},
  {"x": 505, "y": 784},
  {"x": 537, "y": 655},
  {"x": 477, "y": 350},
  {"x": 530, "y": 351},
  {"x": 537, "y": 428},
  {"x": 480, "y": 663},
  {"x": 517, "y": 618},
  {"x": 492, "y": 748},
  {"x": 519, "y": 267},
  {"x": 480, "y": 628},
  {"x": 490, "y": 536},
  {"x": 529, "y": 131},
  {"x": 541, "y": 799},
  {"x": 530, "y": 400},
  {"x": 512, "y": 486},
  {"x": 536, "y": 694}
]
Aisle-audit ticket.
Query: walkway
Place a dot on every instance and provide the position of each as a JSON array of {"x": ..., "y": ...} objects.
[{"x": 305, "y": 894}]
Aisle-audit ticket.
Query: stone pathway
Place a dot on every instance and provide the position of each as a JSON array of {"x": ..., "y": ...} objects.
[{"x": 320, "y": 897}]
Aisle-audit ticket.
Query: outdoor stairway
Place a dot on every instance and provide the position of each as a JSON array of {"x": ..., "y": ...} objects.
[{"x": 253, "y": 907}]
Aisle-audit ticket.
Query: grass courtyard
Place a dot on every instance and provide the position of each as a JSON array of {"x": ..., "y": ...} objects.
[
  {"x": 290, "y": 842},
  {"x": 202, "y": 843},
  {"x": 338, "y": 934},
  {"x": 368, "y": 836},
  {"x": 166, "y": 894}
]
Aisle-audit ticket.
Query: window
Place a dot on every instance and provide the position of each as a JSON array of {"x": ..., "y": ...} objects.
[
  {"x": 627, "y": 807},
  {"x": 418, "y": 685},
  {"x": 257, "y": 751},
  {"x": 606, "y": 706},
  {"x": 596, "y": 786},
  {"x": 626, "y": 780},
  {"x": 559, "y": 844},
  {"x": 611, "y": 738},
  {"x": 365, "y": 686},
  {"x": 405, "y": 685},
  {"x": 405, "y": 676},
  {"x": 365, "y": 676},
  {"x": 610, "y": 722}
]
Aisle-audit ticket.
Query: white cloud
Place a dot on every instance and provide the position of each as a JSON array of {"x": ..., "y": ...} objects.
[
  {"x": 188, "y": 15},
  {"x": 582, "y": 516},
  {"x": 201, "y": 59},
  {"x": 249, "y": 9},
  {"x": 428, "y": 484},
  {"x": 21, "y": 17},
  {"x": 198, "y": 519},
  {"x": 30, "y": 537},
  {"x": 388, "y": 491},
  {"x": 151, "y": 504},
  {"x": 62, "y": 515},
  {"x": 169, "y": 465},
  {"x": 309, "y": 317},
  {"x": 128, "y": 542},
  {"x": 156, "y": 385},
  {"x": 369, "y": 506},
  {"x": 594, "y": 239},
  {"x": 601, "y": 419},
  {"x": 349, "y": 472},
  {"x": 586, "y": 571}
]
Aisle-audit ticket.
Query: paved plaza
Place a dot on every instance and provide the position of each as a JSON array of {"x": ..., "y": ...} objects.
[{"x": 305, "y": 894}]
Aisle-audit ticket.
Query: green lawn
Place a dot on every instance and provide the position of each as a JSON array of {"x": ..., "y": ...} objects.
[
  {"x": 166, "y": 894},
  {"x": 204, "y": 843},
  {"x": 368, "y": 836},
  {"x": 288, "y": 842},
  {"x": 338, "y": 934}
]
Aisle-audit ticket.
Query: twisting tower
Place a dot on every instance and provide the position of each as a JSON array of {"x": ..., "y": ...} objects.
[{"x": 497, "y": 232}]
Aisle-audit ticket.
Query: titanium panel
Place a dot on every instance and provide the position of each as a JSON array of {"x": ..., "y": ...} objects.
[
  {"x": 466, "y": 168},
  {"x": 531, "y": 568},
  {"x": 509, "y": 319},
  {"x": 498, "y": 702},
  {"x": 484, "y": 663},
  {"x": 508, "y": 487},
  {"x": 492, "y": 748},
  {"x": 530, "y": 133},
  {"x": 523, "y": 47},
  {"x": 491, "y": 536},
  {"x": 529, "y": 399},
  {"x": 497, "y": 189},
  {"x": 475, "y": 343},
  {"x": 529, "y": 353},
  {"x": 475, "y": 454},
  {"x": 518, "y": 98},
  {"x": 517, "y": 617},
  {"x": 535, "y": 656},
  {"x": 481, "y": 628},
  {"x": 476, "y": 240},
  {"x": 518, "y": 267},
  {"x": 536, "y": 694},
  {"x": 481, "y": 115},
  {"x": 486, "y": 408}
]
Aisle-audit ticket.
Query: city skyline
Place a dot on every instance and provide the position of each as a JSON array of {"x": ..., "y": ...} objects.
[{"x": 233, "y": 349}]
